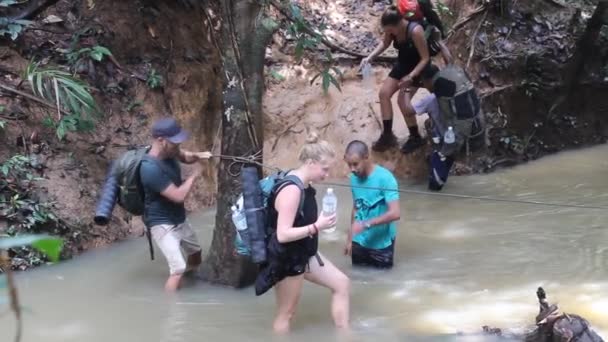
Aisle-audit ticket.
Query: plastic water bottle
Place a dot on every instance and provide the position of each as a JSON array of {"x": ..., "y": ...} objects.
[
  {"x": 330, "y": 205},
  {"x": 240, "y": 222},
  {"x": 449, "y": 137},
  {"x": 366, "y": 72}
]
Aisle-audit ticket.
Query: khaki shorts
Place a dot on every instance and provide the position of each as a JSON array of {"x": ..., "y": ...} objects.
[{"x": 171, "y": 239}]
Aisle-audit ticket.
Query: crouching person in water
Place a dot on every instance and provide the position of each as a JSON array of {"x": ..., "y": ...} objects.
[
  {"x": 371, "y": 239},
  {"x": 292, "y": 249},
  {"x": 441, "y": 159},
  {"x": 165, "y": 192}
]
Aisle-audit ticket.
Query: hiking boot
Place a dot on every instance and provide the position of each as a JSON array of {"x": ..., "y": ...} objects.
[
  {"x": 385, "y": 142},
  {"x": 412, "y": 144}
]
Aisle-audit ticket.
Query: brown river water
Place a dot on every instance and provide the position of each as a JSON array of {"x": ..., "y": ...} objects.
[{"x": 460, "y": 264}]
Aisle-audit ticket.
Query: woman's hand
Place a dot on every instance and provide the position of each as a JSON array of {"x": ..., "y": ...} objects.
[
  {"x": 406, "y": 82},
  {"x": 325, "y": 222}
]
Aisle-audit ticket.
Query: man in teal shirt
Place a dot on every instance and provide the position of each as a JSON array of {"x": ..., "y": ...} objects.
[{"x": 371, "y": 239}]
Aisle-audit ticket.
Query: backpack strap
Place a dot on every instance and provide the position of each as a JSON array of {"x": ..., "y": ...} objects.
[
  {"x": 286, "y": 180},
  {"x": 411, "y": 25}
]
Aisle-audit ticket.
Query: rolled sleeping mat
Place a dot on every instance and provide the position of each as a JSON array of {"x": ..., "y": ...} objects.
[
  {"x": 254, "y": 213},
  {"x": 107, "y": 199}
]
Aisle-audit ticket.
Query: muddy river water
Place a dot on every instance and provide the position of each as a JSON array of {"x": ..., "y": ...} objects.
[{"x": 460, "y": 264}]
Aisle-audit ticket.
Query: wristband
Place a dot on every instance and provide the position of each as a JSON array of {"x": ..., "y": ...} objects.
[{"x": 314, "y": 225}]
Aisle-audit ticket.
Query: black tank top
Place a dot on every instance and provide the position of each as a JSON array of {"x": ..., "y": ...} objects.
[
  {"x": 307, "y": 246},
  {"x": 407, "y": 51}
]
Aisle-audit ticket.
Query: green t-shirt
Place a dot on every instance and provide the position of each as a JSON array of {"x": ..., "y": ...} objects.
[{"x": 372, "y": 202}]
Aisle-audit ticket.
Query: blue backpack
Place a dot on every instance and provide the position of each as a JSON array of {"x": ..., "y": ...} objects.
[{"x": 251, "y": 240}]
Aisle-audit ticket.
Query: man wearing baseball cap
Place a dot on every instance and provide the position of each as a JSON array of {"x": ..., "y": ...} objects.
[{"x": 165, "y": 193}]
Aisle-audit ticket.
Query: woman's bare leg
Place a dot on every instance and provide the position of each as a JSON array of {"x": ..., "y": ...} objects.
[
  {"x": 288, "y": 293},
  {"x": 332, "y": 278}
]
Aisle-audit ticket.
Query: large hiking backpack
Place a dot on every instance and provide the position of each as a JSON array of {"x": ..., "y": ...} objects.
[
  {"x": 423, "y": 12},
  {"x": 126, "y": 171},
  {"x": 410, "y": 9},
  {"x": 131, "y": 195},
  {"x": 459, "y": 106},
  {"x": 254, "y": 202}
]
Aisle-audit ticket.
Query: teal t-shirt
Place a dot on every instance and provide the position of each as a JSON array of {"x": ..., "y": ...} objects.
[{"x": 372, "y": 202}]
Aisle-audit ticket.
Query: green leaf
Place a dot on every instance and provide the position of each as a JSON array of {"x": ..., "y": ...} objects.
[
  {"x": 333, "y": 80},
  {"x": 326, "y": 81},
  {"x": 46, "y": 244},
  {"x": 295, "y": 12},
  {"x": 5, "y": 169},
  {"x": 276, "y": 75},
  {"x": 96, "y": 55},
  {"x": 60, "y": 130},
  {"x": 269, "y": 24},
  {"x": 51, "y": 247},
  {"x": 337, "y": 71},
  {"x": 299, "y": 50},
  {"x": 6, "y": 3},
  {"x": 14, "y": 30},
  {"x": 97, "y": 52},
  {"x": 1, "y": 108},
  {"x": 102, "y": 50},
  {"x": 23, "y": 22},
  {"x": 48, "y": 122},
  {"x": 2, "y": 124},
  {"x": 22, "y": 240}
]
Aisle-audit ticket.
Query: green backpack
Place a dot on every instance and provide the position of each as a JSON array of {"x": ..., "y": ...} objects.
[
  {"x": 126, "y": 171},
  {"x": 459, "y": 105},
  {"x": 131, "y": 196}
]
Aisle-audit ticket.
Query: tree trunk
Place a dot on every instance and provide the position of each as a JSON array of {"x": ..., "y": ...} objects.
[
  {"x": 585, "y": 47},
  {"x": 245, "y": 33}
]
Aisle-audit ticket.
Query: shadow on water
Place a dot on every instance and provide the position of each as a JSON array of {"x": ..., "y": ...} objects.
[{"x": 460, "y": 264}]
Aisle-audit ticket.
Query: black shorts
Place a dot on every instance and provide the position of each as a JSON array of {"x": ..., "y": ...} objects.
[
  {"x": 400, "y": 70},
  {"x": 380, "y": 258}
]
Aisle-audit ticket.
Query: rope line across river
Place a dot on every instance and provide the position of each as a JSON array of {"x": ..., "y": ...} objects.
[{"x": 252, "y": 160}]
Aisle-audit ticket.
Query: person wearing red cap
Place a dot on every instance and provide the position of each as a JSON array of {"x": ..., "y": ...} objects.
[{"x": 165, "y": 193}]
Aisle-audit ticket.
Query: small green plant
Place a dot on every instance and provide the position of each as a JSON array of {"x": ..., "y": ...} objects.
[
  {"x": 96, "y": 53},
  {"x": 277, "y": 76},
  {"x": 71, "y": 95},
  {"x": 154, "y": 80},
  {"x": 16, "y": 205},
  {"x": 15, "y": 166},
  {"x": 308, "y": 38},
  {"x": 327, "y": 73},
  {"x": 299, "y": 30},
  {"x": 443, "y": 9},
  {"x": 12, "y": 27}
]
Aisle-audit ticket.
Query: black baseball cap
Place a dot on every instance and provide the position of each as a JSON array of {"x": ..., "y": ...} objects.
[{"x": 169, "y": 129}]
